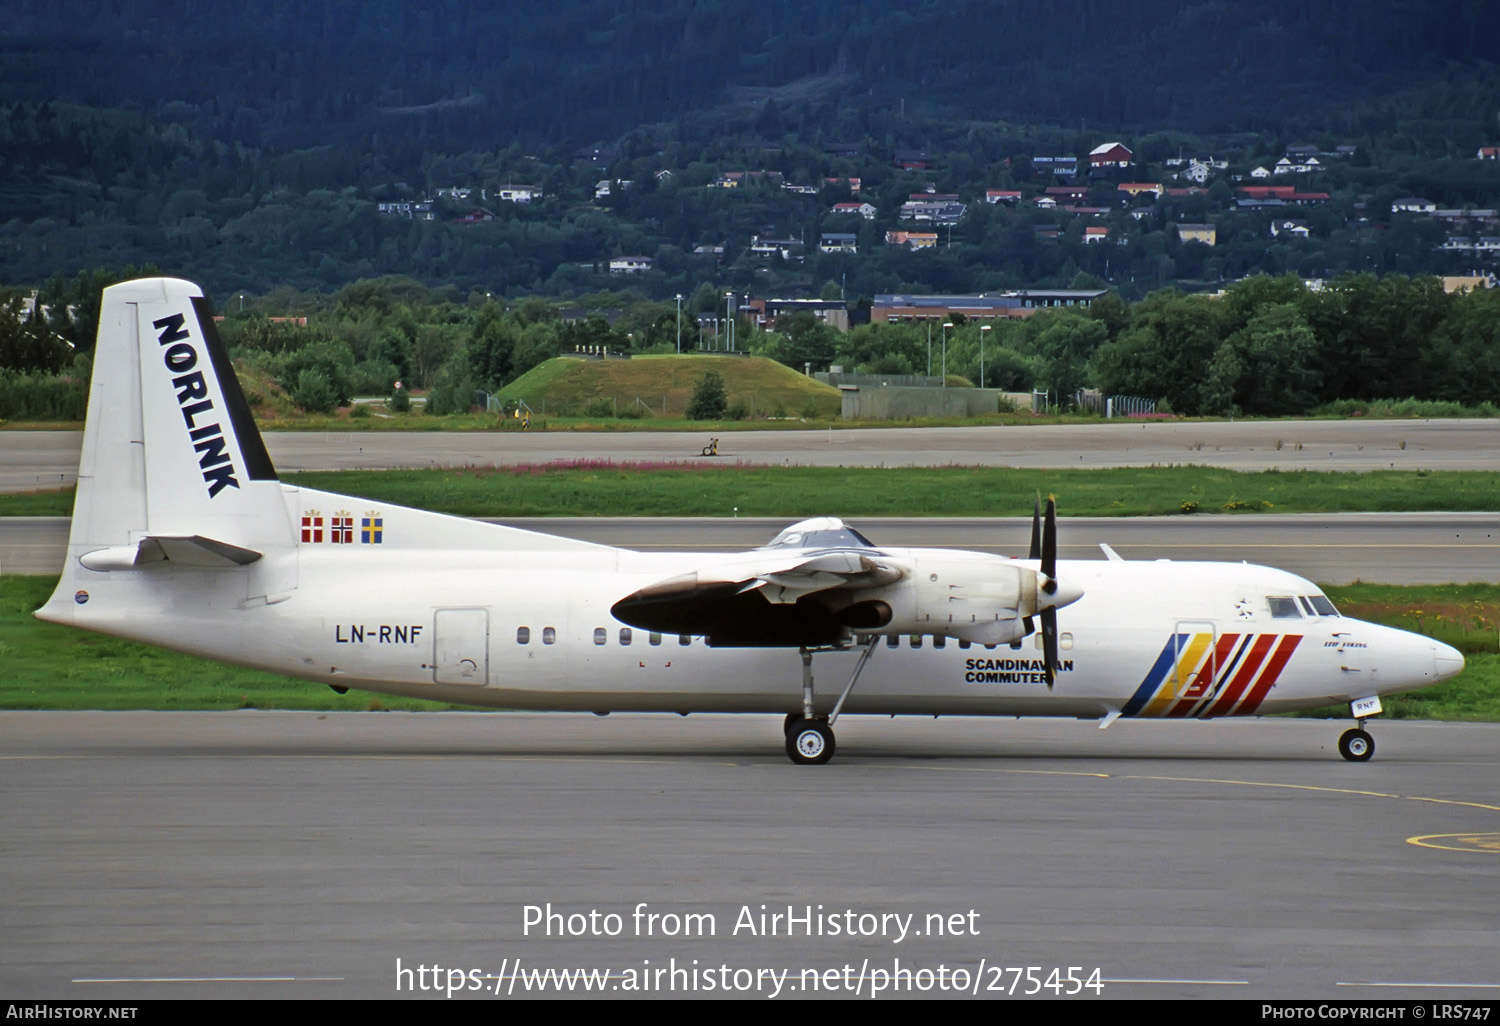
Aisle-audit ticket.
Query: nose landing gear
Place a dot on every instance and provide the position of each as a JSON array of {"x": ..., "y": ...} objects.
[{"x": 1356, "y": 745}]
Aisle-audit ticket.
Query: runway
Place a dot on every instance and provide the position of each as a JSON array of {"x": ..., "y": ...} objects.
[
  {"x": 297, "y": 855},
  {"x": 1391, "y": 548},
  {"x": 49, "y": 459}
]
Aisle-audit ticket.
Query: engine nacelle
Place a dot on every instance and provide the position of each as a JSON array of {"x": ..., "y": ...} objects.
[{"x": 953, "y": 595}]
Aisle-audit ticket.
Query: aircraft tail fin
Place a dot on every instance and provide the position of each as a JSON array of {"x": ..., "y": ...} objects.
[{"x": 173, "y": 467}]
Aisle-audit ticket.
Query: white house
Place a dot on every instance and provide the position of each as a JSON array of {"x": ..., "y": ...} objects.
[
  {"x": 520, "y": 193},
  {"x": 629, "y": 265}
]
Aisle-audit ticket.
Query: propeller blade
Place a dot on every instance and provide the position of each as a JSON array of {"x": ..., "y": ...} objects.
[
  {"x": 1049, "y": 645},
  {"x": 1029, "y": 624},
  {"x": 1036, "y": 528},
  {"x": 1049, "y": 548}
]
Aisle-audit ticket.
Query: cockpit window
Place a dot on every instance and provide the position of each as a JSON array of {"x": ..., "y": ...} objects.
[
  {"x": 826, "y": 533},
  {"x": 1306, "y": 605},
  {"x": 1283, "y": 607},
  {"x": 1323, "y": 606}
]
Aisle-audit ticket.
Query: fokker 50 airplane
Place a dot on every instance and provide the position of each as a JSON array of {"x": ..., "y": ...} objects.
[{"x": 183, "y": 537}]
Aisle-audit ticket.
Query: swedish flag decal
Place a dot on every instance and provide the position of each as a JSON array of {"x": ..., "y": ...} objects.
[{"x": 371, "y": 528}]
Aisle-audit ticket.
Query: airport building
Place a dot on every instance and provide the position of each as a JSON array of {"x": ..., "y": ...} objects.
[{"x": 905, "y": 309}]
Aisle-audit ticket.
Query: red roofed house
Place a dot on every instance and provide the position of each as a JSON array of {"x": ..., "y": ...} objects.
[
  {"x": 478, "y": 215},
  {"x": 1284, "y": 192},
  {"x": 1489, "y": 153},
  {"x": 1095, "y": 234}
]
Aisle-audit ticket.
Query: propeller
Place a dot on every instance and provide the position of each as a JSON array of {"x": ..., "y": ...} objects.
[
  {"x": 1044, "y": 549},
  {"x": 1036, "y": 548}
]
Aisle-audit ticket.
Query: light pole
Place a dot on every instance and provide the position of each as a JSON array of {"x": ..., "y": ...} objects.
[
  {"x": 982, "y": 329},
  {"x": 679, "y": 324},
  {"x": 729, "y": 322},
  {"x": 946, "y": 326},
  {"x": 929, "y": 349}
]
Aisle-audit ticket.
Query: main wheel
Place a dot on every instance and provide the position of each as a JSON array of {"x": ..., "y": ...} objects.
[
  {"x": 809, "y": 743},
  {"x": 792, "y": 719},
  {"x": 1356, "y": 745}
]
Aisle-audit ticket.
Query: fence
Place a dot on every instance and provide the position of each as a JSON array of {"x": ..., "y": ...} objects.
[{"x": 1114, "y": 405}]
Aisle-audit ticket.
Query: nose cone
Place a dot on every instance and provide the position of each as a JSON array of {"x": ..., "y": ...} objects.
[
  {"x": 1065, "y": 594},
  {"x": 1447, "y": 661}
]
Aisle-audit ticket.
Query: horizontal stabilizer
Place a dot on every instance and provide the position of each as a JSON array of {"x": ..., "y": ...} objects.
[{"x": 179, "y": 550}]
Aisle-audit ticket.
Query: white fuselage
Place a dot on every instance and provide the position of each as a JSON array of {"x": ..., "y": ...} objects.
[{"x": 529, "y": 627}]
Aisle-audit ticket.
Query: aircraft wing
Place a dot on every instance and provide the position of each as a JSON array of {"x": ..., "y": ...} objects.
[
  {"x": 819, "y": 582},
  {"x": 765, "y": 598}
]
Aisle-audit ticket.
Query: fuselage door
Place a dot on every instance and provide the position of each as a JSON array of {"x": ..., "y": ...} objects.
[
  {"x": 1196, "y": 668},
  {"x": 460, "y": 647}
]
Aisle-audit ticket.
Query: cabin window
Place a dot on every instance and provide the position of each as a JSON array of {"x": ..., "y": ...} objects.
[
  {"x": 1283, "y": 607},
  {"x": 523, "y": 635},
  {"x": 684, "y": 639},
  {"x": 549, "y": 635},
  {"x": 1065, "y": 640},
  {"x": 891, "y": 641},
  {"x": 655, "y": 638},
  {"x": 1324, "y": 606},
  {"x": 915, "y": 641},
  {"x": 938, "y": 641},
  {"x": 963, "y": 642},
  {"x": 625, "y": 635},
  {"x": 600, "y": 635}
]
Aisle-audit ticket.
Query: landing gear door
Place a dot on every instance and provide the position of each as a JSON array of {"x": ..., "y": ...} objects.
[
  {"x": 461, "y": 645},
  {"x": 1195, "y": 667}
]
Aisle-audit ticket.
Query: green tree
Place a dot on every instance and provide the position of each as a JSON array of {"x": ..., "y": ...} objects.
[
  {"x": 334, "y": 361},
  {"x": 710, "y": 399},
  {"x": 808, "y": 341},
  {"x": 313, "y": 392},
  {"x": 1166, "y": 353},
  {"x": 453, "y": 389},
  {"x": 1066, "y": 346},
  {"x": 1278, "y": 357}
]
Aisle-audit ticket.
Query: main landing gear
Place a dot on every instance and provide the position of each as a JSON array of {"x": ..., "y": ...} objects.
[
  {"x": 1356, "y": 744},
  {"x": 809, "y": 737}
]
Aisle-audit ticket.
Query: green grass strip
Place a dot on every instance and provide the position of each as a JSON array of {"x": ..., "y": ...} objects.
[
  {"x": 48, "y": 666},
  {"x": 588, "y": 488}
]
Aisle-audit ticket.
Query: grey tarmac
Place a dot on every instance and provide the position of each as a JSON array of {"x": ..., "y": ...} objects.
[
  {"x": 1388, "y": 548},
  {"x": 262, "y": 854},
  {"x": 49, "y": 459}
]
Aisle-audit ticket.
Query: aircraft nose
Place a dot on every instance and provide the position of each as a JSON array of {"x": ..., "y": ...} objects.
[{"x": 1447, "y": 661}]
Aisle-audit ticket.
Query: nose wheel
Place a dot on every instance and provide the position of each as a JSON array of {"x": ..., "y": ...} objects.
[{"x": 1356, "y": 745}]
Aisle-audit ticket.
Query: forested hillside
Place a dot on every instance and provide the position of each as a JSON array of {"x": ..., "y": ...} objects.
[
  {"x": 474, "y": 75},
  {"x": 251, "y": 149}
]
